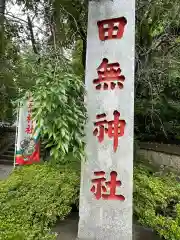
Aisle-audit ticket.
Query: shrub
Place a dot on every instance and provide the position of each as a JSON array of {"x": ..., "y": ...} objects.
[
  {"x": 157, "y": 202},
  {"x": 32, "y": 199}
]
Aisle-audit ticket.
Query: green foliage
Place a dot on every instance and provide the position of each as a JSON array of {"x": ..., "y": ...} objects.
[
  {"x": 32, "y": 198},
  {"x": 157, "y": 70},
  {"x": 157, "y": 202},
  {"x": 157, "y": 56},
  {"x": 8, "y": 62},
  {"x": 77, "y": 58},
  {"x": 65, "y": 20},
  {"x": 59, "y": 110}
]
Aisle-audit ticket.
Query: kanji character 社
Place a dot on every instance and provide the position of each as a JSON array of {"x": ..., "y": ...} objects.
[
  {"x": 109, "y": 76},
  {"x": 114, "y": 129},
  {"x": 101, "y": 187},
  {"x": 111, "y": 28}
]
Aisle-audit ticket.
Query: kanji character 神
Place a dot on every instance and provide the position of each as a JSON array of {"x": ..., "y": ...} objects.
[
  {"x": 111, "y": 28},
  {"x": 101, "y": 187},
  {"x": 109, "y": 75},
  {"x": 28, "y": 130},
  {"x": 114, "y": 129}
]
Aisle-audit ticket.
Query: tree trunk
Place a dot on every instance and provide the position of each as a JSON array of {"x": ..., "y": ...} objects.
[
  {"x": 2, "y": 10},
  {"x": 33, "y": 41}
]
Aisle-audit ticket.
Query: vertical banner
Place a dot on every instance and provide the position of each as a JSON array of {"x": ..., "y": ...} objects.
[
  {"x": 106, "y": 192},
  {"x": 27, "y": 145}
]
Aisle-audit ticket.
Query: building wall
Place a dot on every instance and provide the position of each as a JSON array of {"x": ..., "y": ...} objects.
[{"x": 160, "y": 155}]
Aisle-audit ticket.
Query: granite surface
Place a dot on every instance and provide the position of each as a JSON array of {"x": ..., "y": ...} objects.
[{"x": 67, "y": 230}]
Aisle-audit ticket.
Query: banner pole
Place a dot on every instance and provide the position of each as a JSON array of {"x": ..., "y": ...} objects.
[{"x": 17, "y": 119}]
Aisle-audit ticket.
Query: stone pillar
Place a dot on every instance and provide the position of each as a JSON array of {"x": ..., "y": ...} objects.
[{"x": 107, "y": 175}]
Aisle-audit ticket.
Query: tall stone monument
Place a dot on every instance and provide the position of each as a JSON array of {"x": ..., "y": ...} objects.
[{"x": 107, "y": 175}]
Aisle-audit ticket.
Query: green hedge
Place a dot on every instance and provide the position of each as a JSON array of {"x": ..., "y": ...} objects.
[
  {"x": 157, "y": 202},
  {"x": 32, "y": 198}
]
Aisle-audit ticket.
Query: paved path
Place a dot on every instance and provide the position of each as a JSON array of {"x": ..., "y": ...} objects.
[
  {"x": 5, "y": 171},
  {"x": 67, "y": 230}
]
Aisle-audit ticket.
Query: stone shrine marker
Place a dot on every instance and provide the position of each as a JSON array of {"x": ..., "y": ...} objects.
[{"x": 107, "y": 175}]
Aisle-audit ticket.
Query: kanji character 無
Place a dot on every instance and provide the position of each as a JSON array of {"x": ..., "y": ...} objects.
[{"x": 109, "y": 75}]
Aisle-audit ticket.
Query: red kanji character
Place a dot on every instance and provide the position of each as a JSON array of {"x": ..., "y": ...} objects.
[
  {"x": 114, "y": 129},
  {"x": 100, "y": 191},
  {"x": 111, "y": 28},
  {"x": 29, "y": 118},
  {"x": 109, "y": 75},
  {"x": 28, "y": 130}
]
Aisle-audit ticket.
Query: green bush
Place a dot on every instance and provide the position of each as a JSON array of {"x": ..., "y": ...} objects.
[
  {"x": 157, "y": 202},
  {"x": 32, "y": 199}
]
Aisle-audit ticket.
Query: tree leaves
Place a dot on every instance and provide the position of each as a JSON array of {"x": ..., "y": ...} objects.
[
  {"x": 59, "y": 106},
  {"x": 157, "y": 67}
]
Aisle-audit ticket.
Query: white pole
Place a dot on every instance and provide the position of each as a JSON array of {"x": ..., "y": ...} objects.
[
  {"x": 106, "y": 191},
  {"x": 17, "y": 119}
]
